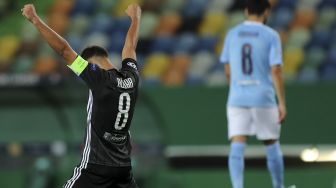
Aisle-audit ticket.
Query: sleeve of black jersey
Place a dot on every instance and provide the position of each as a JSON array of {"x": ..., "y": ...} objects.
[
  {"x": 130, "y": 65},
  {"x": 90, "y": 73}
]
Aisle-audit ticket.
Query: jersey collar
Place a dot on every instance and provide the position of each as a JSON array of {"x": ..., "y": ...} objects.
[{"x": 252, "y": 23}]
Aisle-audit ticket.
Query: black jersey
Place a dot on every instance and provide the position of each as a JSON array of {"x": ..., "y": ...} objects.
[{"x": 110, "y": 109}]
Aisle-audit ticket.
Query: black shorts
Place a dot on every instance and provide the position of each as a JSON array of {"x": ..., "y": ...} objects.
[{"x": 100, "y": 176}]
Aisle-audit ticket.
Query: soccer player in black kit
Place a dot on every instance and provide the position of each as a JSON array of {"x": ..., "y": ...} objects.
[{"x": 106, "y": 161}]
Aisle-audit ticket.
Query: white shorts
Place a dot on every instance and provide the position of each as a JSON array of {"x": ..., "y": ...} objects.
[{"x": 262, "y": 122}]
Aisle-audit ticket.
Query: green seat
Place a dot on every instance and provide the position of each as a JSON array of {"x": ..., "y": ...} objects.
[
  {"x": 149, "y": 21},
  {"x": 314, "y": 57},
  {"x": 298, "y": 37}
]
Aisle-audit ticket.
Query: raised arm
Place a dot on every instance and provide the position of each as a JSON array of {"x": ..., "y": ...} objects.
[
  {"x": 59, "y": 44},
  {"x": 134, "y": 12},
  {"x": 280, "y": 91}
]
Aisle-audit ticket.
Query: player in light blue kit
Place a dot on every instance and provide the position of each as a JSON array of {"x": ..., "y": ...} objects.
[{"x": 252, "y": 58}]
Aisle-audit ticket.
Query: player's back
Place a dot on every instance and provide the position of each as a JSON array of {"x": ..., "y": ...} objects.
[{"x": 251, "y": 48}]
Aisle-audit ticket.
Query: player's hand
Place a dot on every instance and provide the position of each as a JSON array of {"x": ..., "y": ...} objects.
[
  {"x": 282, "y": 112},
  {"x": 133, "y": 11},
  {"x": 29, "y": 12}
]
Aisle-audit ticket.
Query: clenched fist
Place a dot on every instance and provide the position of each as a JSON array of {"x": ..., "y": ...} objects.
[
  {"x": 133, "y": 11},
  {"x": 29, "y": 12}
]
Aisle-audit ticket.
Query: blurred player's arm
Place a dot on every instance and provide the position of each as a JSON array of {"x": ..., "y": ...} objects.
[
  {"x": 134, "y": 12},
  {"x": 276, "y": 64},
  {"x": 227, "y": 72},
  {"x": 59, "y": 44},
  {"x": 280, "y": 90},
  {"x": 225, "y": 57}
]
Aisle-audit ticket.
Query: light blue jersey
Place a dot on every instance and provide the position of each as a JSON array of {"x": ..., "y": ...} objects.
[{"x": 251, "y": 49}]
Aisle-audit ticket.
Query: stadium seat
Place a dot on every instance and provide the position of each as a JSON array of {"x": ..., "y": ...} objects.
[
  {"x": 320, "y": 38},
  {"x": 152, "y": 5},
  {"x": 8, "y": 47},
  {"x": 194, "y": 8},
  {"x": 163, "y": 44},
  {"x": 101, "y": 23},
  {"x": 308, "y": 75},
  {"x": 201, "y": 64},
  {"x": 156, "y": 65},
  {"x": 326, "y": 3},
  {"x": 213, "y": 23},
  {"x": 173, "y": 5},
  {"x": 181, "y": 62},
  {"x": 304, "y": 18},
  {"x": 99, "y": 39},
  {"x": 293, "y": 58},
  {"x": 216, "y": 78},
  {"x": 331, "y": 56},
  {"x": 83, "y": 7},
  {"x": 120, "y": 7},
  {"x": 22, "y": 64},
  {"x": 75, "y": 41},
  {"x": 45, "y": 65},
  {"x": 327, "y": 17},
  {"x": 59, "y": 22},
  {"x": 149, "y": 22},
  {"x": 208, "y": 43},
  {"x": 176, "y": 73},
  {"x": 328, "y": 72},
  {"x": 121, "y": 24},
  {"x": 62, "y": 7},
  {"x": 298, "y": 37},
  {"x": 286, "y": 3},
  {"x": 281, "y": 18},
  {"x": 168, "y": 24},
  {"x": 311, "y": 4},
  {"x": 314, "y": 57},
  {"x": 115, "y": 59},
  {"x": 219, "y": 5},
  {"x": 106, "y": 6},
  {"x": 79, "y": 24},
  {"x": 116, "y": 42},
  {"x": 235, "y": 18},
  {"x": 186, "y": 43}
]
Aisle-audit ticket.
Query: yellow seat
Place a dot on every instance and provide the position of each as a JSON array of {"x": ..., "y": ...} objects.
[
  {"x": 293, "y": 59},
  {"x": 8, "y": 48},
  {"x": 213, "y": 23},
  {"x": 155, "y": 66},
  {"x": 119, "y": 9}
]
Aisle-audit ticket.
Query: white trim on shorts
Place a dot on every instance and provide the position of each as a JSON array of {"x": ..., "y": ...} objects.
[{"x": 86, "y": 153}]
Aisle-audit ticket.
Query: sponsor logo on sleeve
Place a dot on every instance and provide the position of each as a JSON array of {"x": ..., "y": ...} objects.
[
  {"x": 132, "y": 65},
  {"x": 93, "y": 67}
]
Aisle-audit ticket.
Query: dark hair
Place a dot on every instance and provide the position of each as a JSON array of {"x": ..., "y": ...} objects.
[
  {"x": 257, "y": 7},
  {"x": 91, "y": 51}
]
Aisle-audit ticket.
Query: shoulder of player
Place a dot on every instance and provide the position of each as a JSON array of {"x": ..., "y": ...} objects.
[
  {"x": 129, "y": 63},
  {"x": 235, "y": 29},
  {"x": 271, "y": 31},
  {"x": 124, "y": 79}
]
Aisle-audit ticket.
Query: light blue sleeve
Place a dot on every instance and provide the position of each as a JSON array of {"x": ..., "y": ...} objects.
[
  {"x": 275, "y": 57},
  {"x": 225, "y": 56}
]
